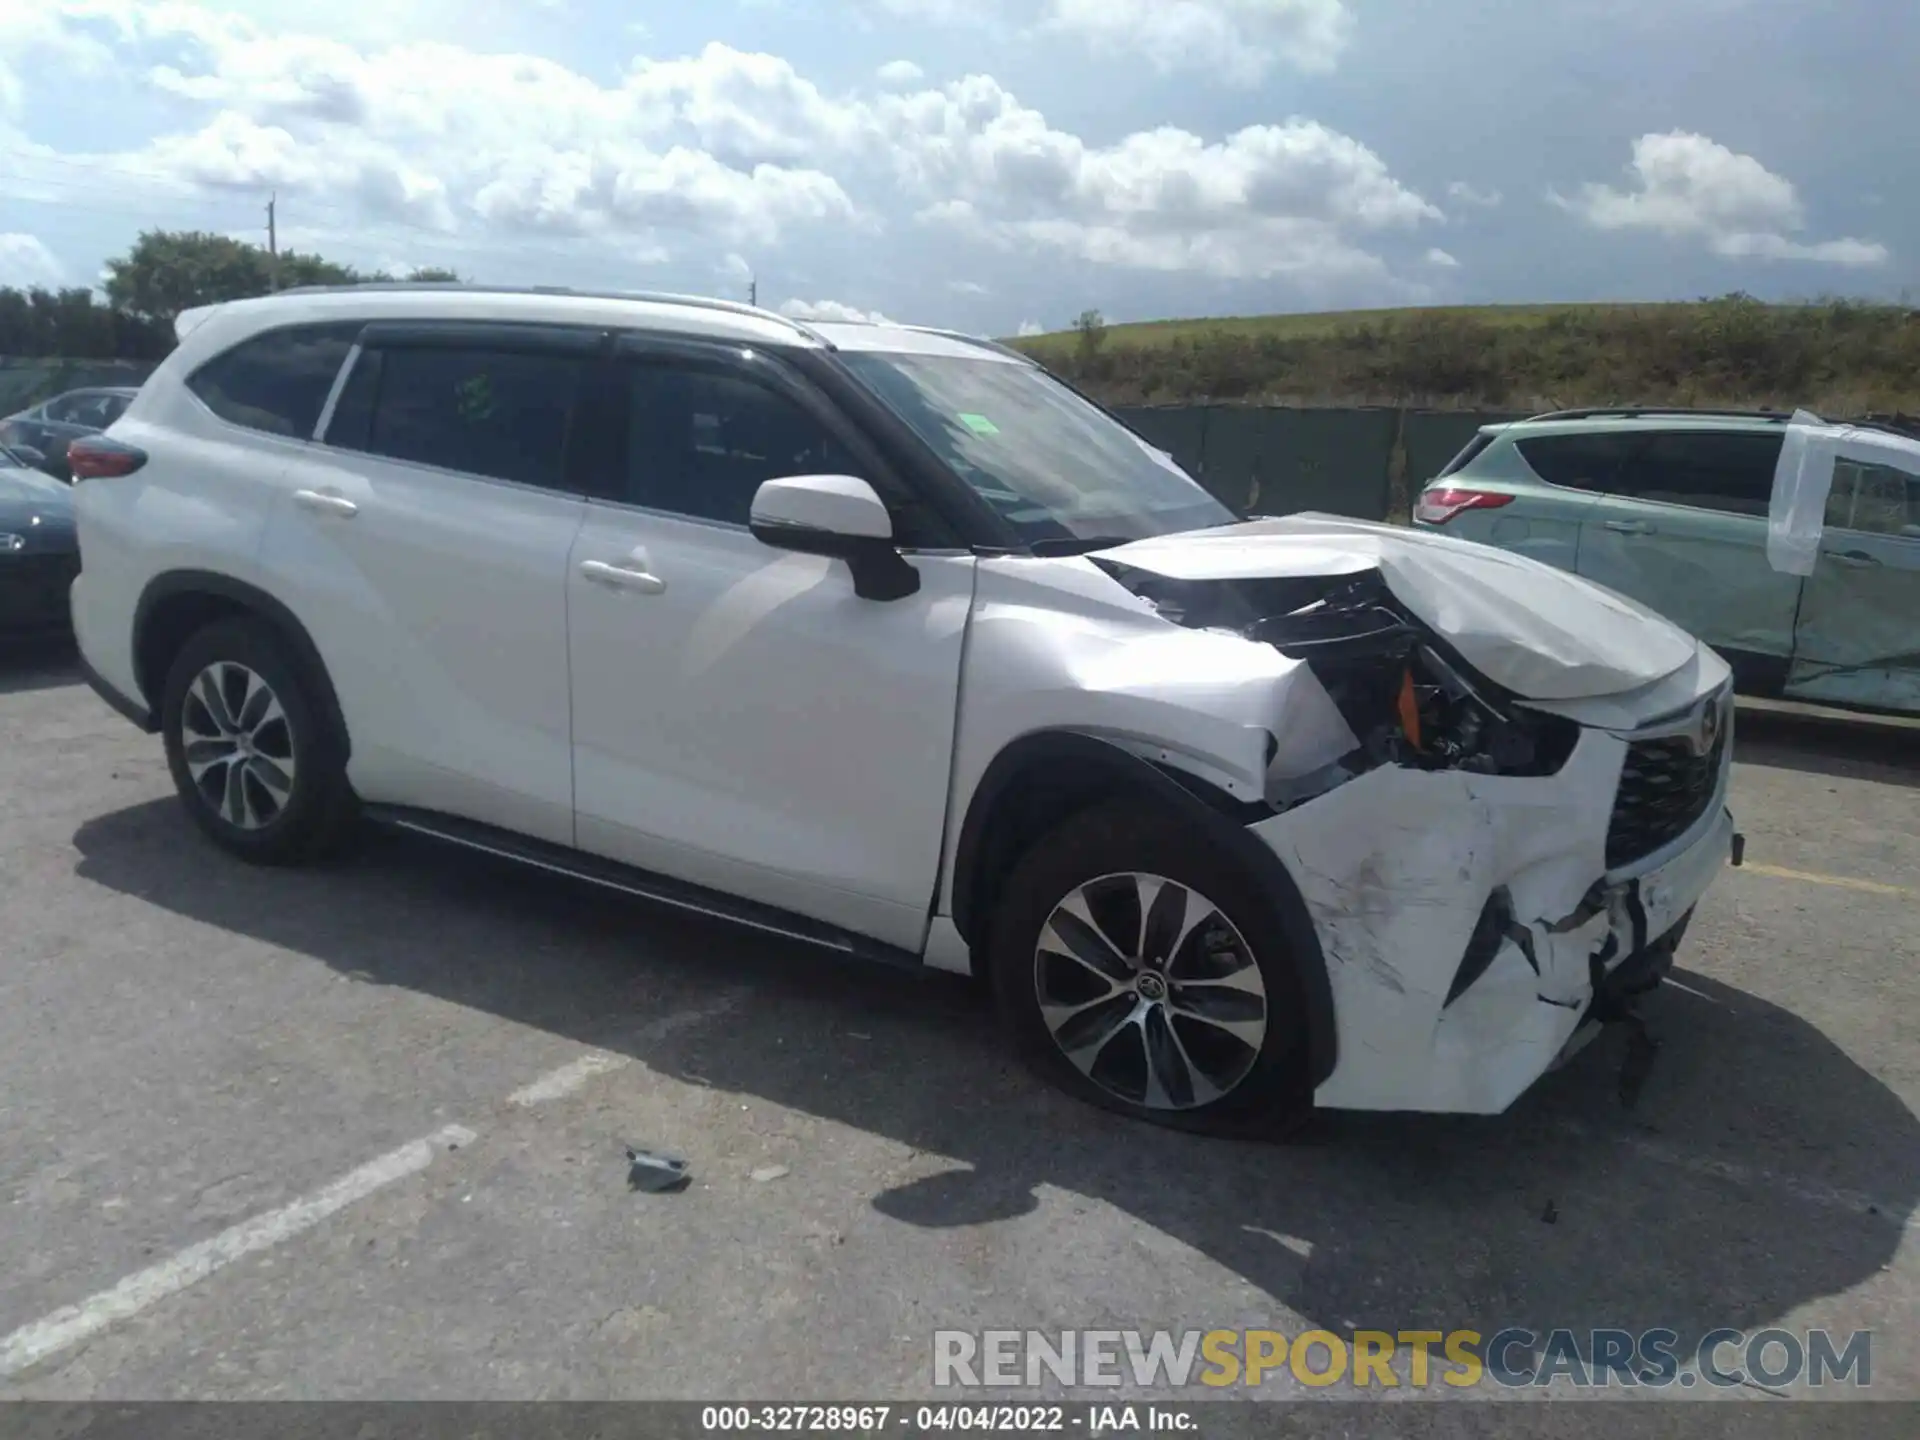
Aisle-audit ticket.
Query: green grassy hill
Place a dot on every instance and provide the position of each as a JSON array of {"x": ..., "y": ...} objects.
[{"x": 1842, "y": 357}]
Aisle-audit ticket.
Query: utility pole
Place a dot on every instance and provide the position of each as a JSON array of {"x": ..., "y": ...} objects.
[
  {"x": 273, "y": 242},
  {"x": 753, "y": 290}
]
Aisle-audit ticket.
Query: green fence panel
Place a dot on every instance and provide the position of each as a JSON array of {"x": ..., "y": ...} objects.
[
  {"x": 1334, "y": 461},
  {"x": 1434, "y": 437},
  {"x": 1180, "y": 430}
]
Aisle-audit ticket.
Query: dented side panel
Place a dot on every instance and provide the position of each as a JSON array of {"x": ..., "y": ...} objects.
[{"x": 1058, "y": 645}]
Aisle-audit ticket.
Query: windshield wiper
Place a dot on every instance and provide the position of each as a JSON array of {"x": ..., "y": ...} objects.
[{"x": 1079, "y": 545}]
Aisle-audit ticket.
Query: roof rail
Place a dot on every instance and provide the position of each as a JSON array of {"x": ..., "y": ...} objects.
[
  {"x": 981, "y": 340},
  {"x": 656, "y": 297},
  {"x": 1630, "y": 412}
]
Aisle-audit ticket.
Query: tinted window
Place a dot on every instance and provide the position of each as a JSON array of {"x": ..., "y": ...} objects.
[
  {"x": 499, "y": 413},
  {"x": 701, "y": 442},
  {"x": 1466, "y": 456},
  {"x": 1580, "y": 462},
  {"x": 278, "y": 381},
  {"x": 1732, "y": 473},
  {"x": 1874, "y": 499}
]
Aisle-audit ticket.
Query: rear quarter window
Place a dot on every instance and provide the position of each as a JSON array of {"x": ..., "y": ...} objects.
[
  {"x": 279, "y": 380},
  {"x": 1579, "y": 462}
]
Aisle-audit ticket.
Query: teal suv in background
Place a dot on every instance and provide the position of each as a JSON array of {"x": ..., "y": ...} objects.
[{"x": 1670, "y": 508}]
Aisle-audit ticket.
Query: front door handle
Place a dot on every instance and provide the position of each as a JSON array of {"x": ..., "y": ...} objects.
[
  {"x": 1630, "y": 527},
  {"x": 325, "y": 504},
  {"x": 619, "y": 577},
  {"x": 1854, "y": 559}
]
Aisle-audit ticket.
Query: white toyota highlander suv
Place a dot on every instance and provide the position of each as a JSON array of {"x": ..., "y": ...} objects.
[{"x": 884, "y": 639}]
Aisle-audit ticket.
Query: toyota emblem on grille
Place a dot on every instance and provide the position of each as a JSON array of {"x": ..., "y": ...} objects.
[{"x": 1709, "y": 728}]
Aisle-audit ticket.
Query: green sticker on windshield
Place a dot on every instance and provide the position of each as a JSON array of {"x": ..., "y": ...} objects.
[{"x": 980, "y": 424}]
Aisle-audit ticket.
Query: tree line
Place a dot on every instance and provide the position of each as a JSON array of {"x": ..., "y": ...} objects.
[{"x": 167, "y": 271}]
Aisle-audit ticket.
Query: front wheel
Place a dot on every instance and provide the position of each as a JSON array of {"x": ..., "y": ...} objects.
[{"x": 1136, "y": 964}]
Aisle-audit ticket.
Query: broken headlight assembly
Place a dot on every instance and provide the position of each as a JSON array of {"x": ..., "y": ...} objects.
[{"x": 1405, "y": 694}]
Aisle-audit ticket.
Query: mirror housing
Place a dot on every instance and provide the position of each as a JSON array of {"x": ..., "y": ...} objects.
[{"x": 839, "y": 516}]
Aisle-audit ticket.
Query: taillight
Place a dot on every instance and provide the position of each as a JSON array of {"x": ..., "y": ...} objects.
[
  {"x": 95, "y": 457},
  {"x": 1436, "y": 507}
]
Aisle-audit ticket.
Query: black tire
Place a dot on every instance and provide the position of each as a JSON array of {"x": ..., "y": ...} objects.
[
  {"x": 1272, "y": 1098},
  {"x": 316, "y": 814}
]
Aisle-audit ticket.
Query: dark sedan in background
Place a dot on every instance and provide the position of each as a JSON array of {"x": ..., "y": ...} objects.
[
  {"x": 42, "y": 433},
  {"x": 39, "y": 552}
]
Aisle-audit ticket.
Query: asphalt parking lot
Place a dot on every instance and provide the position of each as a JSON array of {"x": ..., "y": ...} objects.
[{"x": 358, "y": 1132}]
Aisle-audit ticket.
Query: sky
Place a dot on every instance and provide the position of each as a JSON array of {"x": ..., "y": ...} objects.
[{"x": 993, "y": 165}]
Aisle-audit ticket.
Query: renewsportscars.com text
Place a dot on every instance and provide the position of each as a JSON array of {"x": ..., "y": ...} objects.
[{"x": 1383, "y": 1359}]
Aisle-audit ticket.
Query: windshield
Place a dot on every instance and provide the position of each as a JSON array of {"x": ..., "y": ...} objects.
[{"x": 1054, "y": 467}]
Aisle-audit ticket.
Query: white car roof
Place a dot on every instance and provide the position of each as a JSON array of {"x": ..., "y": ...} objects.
[{"x": 209, "y": 328}]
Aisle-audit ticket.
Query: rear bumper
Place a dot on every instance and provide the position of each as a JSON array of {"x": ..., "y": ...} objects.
[{"x": 1472, "y": 928}]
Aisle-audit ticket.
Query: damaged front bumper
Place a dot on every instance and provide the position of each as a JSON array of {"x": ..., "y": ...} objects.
[{"x": 1469, "y": 945}]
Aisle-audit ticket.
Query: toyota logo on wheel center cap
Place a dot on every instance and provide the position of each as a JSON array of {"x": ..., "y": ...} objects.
[{"x": 1152, "y": 987}]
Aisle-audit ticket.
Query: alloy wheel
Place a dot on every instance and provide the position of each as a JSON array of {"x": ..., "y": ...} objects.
[
  {"x": 1150, "y": 991},
  {"x": 238, "y": 745}
]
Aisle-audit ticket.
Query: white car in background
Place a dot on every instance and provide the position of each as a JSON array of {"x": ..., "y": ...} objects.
[{"x": 884, "y": 640}]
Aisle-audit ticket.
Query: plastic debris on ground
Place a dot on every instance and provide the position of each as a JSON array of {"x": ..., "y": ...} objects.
[{"x": 655, "y": 1173}]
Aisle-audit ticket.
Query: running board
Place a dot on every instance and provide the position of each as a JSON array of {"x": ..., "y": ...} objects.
[{"x": 641, "y": 884}]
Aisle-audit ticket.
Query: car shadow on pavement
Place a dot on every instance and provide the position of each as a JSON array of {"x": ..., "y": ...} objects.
[
  {"x": 37, "y": 665},
  {"x": 1763, "y": 1169},
  {"x": 1863, "y": 748}
]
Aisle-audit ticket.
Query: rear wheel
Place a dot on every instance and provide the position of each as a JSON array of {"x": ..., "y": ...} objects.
[
  {"x": 1136, "y": 964},
  {"x": 256, "y": 764}
]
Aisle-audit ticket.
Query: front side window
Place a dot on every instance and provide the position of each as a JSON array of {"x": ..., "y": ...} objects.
[
  {"x": 277, "y": 381},
  {"x": 701, "y": 442},
  {"x": 1874, "y": 500},
  {"x": 1053, "y": 466},
  {"x": 503, "y": 414}
]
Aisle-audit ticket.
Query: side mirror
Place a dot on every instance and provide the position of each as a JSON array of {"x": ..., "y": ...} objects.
[{"x": 839, "y": 516}]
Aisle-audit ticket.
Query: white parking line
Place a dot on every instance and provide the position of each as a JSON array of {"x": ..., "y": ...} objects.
[
  {"x": 71, "y": 1325},
  {"x": 557, "y": 1084}
]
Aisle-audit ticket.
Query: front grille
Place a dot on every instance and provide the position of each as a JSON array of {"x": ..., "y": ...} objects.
[
  {"x": 33, "y": 590},
  {"x": 1664, "y": 790}
]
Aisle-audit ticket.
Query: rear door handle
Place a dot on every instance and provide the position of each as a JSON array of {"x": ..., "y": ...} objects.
[
  {"x": 619, "y": 577},
  {"x": 1630, "y": 527},
  {"x": 1855, "y": 559},
  {"x": 325, "y": 504}
]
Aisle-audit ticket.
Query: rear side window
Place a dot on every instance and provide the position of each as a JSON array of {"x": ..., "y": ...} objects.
[
  {"x": 503, "y": 414},
  {"x": 1732, "y": 473},
  {"x": 1579, "y": 462},
  {"x": 277, "y": 381}
]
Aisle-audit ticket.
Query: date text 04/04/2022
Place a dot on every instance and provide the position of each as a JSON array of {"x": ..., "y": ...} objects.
[{"x": 1008, "y": 1419}]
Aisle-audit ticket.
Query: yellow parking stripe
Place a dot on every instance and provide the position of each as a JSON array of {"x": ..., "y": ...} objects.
[{"x": 1843, "y": 882}]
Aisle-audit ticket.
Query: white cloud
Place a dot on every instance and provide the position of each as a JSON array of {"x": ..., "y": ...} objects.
[
  {"x": 719, "y": 152},
  {"x": 1032, "y": 327},
  {"x": 1442, "y": 260},
  {"x": 831, "y": 310},
  {"x": 1691, "y": 187},
  {"x": 900, "y": 72},
  {"x": 968, "y": 287},
  {"x": 1470, "y": 195},
  {"x": 26, "y": 262},
  {"x": 1239, "y": 40},
  {"x": 1267, "y": 200}
]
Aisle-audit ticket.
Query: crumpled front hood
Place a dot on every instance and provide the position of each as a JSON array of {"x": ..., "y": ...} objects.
[{"x": 1540, "y": 632}]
